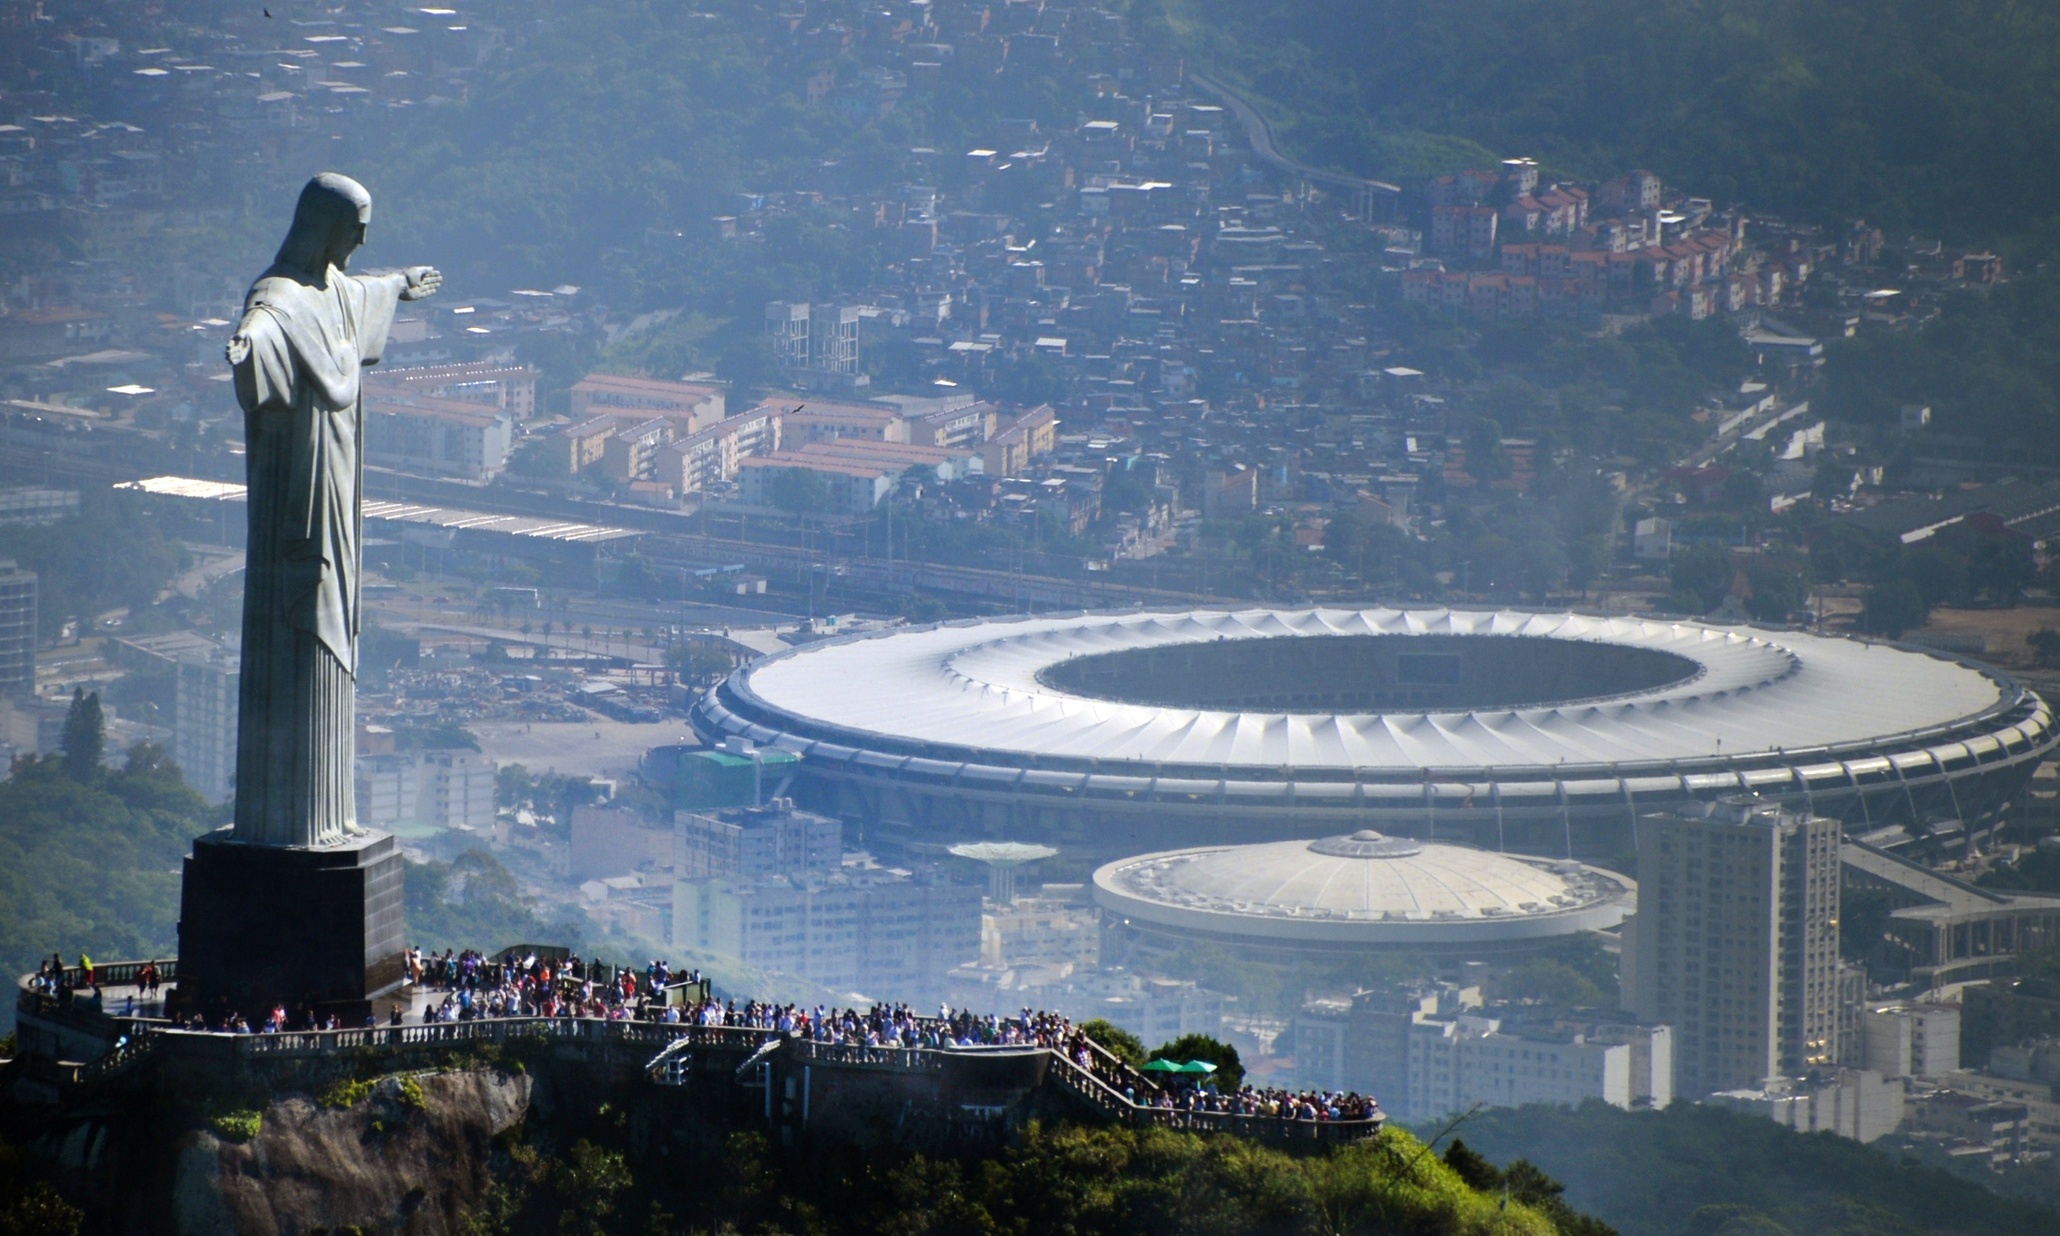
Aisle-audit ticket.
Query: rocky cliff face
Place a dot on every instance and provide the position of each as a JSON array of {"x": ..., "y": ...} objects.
[{"x": 405, "y": 1154}]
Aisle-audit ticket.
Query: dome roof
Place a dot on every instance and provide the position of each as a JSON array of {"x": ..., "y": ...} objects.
[{"x": 1363, "y": 888}]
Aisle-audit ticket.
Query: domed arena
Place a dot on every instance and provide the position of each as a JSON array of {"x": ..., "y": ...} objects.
[
  {"x": 1354, "y": 892},
  {"x": 1546, "y": 733}
]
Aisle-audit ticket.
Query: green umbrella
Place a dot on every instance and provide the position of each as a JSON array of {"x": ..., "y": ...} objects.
[
  {"x": 1163, "y": 1066},
  {"x": 1196, "y": 1066}
]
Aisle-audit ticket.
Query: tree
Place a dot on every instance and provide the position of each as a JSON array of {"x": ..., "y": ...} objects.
[
  {"x": 474, "y": 902},
  {"x": 1479, "y": 1174},
  {"x": 85, "y": 736},
  {"x": 110, "y": 555},
  {"x": 1230, "y": 1071},
  {"x": 2000, "y": 568},
  {"x": 1701, "y": 577},
  {"x": 513, "y": 788},
  {"x": 1893, "y": 607},
  {"x": 698, "y": 664},
  {"x": 922, "y": 609},
  {"x": 39, "y": 1210},
  {"x": 435, "y": 736},
  {"x": 93, "y": 864},
  {"x": 1485, "y": 459},
  {"x": 1119, "y": 1042},
  {"x": 586, "y": 1181},
  {"x": 1939, "y": 573},
  {"x": 1777, "y": 591},
  {"x": 799, "y": 491}
]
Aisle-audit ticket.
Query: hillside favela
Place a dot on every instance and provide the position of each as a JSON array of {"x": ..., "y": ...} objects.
[{"x": 1020, "y": 617}]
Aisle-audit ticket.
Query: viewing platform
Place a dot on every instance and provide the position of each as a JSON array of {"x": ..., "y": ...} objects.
[{"x": 83, "y": 1045}]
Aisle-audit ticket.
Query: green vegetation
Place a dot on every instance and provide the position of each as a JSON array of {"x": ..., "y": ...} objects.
[
  {"x": 604, "y": 149},
  {"x": 552, "y": 797},
  {"x": 474, "y": 902},
  {"x": 1984, "y": 366},
  {"x": 110, "y": 556},
  {"x": 345, "y": 1093},
  {"x": 1701, "y": 1171},
  {"x": 2035, "y": 871},
  {"x": 699, "y": 663},
  {"x": 1575, "y": 973},
  {"x": 1913, "y": 113},
  {"x": 90, "y": 863},
  {"x": 408, "y": 1093},
  {"x": 240, "y": 1125},
  {"x": 799, "y": 492},
  {"x": 1909, "y": 581},
  {"x": 1522, "y": 1181},
  {"x": 1230, "y": 1071},
  {"x": 37, "y": 1210},
  {"x": 1117, "y": 1041},
  {"x": 1084, "y": 1182},
  {"x": 84, "y": 743},
  {"x": 439, "y": 736}
]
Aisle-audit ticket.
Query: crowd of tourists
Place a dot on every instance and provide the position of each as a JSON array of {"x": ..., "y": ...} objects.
[
  {"x": 474, "y": 985},
  {"x": 525, "y": 985},
  {"x": 54, "y": 978},
  {"x": 1270, "y": 1101},
  {"x": 889, "y": 1026}
]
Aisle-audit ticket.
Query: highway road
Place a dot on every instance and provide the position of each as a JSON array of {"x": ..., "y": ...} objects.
[{"x": 1259, "y": 133}]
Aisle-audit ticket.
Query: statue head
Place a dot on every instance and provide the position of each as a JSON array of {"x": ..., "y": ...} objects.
[{"x": 328, "y": 224}]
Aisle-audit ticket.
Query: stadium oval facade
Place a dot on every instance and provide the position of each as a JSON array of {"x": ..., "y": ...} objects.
[{"x": 1540, "y": 732}]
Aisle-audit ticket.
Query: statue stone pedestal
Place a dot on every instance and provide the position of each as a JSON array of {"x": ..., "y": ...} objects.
[{"x": 261, "y": 925}]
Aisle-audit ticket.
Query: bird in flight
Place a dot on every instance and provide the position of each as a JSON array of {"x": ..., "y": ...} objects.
[{"x": 268, "y": 12}]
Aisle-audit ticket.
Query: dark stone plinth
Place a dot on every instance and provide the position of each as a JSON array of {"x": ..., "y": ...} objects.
[{"x": 265, "y": 925}]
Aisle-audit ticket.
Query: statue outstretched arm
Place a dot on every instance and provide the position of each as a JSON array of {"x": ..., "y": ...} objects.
[
  {"x": 420, "y": 282},
  {"x": 409, "y": 282}
]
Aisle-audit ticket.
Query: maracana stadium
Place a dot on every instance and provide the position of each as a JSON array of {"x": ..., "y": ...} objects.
[{"x": 1546, "y": 733}]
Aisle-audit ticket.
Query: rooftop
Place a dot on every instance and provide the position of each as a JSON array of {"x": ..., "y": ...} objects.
[{"x": 1362, "y": 888}]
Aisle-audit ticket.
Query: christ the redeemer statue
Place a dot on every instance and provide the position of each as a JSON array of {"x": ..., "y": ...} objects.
[{"x": 308, "y": 331}]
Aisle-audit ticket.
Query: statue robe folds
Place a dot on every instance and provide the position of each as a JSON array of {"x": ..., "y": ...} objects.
[{"x": 303, "y": 433}]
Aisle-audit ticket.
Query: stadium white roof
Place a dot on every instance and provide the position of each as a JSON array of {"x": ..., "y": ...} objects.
[{"x": 975, "y": 686}]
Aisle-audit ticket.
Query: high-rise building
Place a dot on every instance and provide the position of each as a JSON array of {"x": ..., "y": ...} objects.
[
  {"x": 1912, "y": 1039},
  {"x": 817, "y": 345},
  {"x": 37, "y": 504},
  {"x": 755, "y": 843},
  {"x": 1428, "y": 1050},
  {"x": 1456, "y": 1062},
  {"x": 433, "y": 789},
  {"x": 786, "y": 328},
  {"x": 833, "y": 338},
  {"x": 1735, "y": 943},
  {"x": 17, "y": 629},
  {"x": 204, "y": 721},
  {"x": 772, "y": 888},
  {"x": 457, "y": 789}
]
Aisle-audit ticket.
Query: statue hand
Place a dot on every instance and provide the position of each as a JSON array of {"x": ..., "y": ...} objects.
[
  {"x": 238, "y": 350},
  {"x": 423, "y": 281}
]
